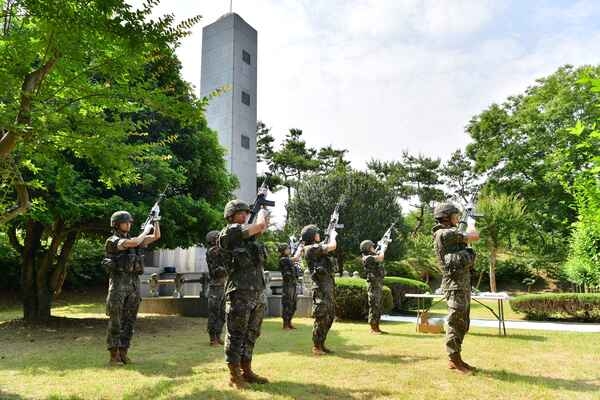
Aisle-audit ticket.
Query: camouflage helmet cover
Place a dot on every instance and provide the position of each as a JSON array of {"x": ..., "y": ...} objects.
[
  {"x": 119, "y": 217},
  {"x": 366, "y": 245},
  {"x": 211, "y": 237},
  {"x": 445, "y": 210},
  {"x": 234, "y": 206},
  {"x": 281, "y": 247},
  {"x": 309, "y": 232}
]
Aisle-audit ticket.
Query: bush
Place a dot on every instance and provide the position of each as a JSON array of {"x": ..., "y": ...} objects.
[
  {"x": 583, "y": 265},
  {"x": 400, "y": 287},
  {"x": 84, "y": 268},
  {"x": 579, "y": 306},
  {"x": 400, "y": 268},
  {"x": 9, "y": 265},
  {"x": 351, "y": 301},
  {"x": 272, "y": 261}
]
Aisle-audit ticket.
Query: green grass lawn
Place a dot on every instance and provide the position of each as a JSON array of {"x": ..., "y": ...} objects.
[
  {"x": 480, "y": 312},
  {"x": 67, "y": 360}
]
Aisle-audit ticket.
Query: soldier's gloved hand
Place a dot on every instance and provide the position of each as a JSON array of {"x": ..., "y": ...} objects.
[
  {"x": 156, "y": 211},
  {"x": 264, "y": 215},
  {"x": 147, "y": 229},
  {"x": 263, "y": 190},
  {"x": 333, "y": 235}
]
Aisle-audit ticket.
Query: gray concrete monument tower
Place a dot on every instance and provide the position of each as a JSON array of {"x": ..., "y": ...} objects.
[{"x": 229, "y": 49}]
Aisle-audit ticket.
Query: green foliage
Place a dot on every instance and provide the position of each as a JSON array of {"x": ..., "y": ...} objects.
[
  {"x": 370, "y": 209},
  {"x": 583, "y": 265},
  {"x": 400, "y": 268},
  {"x": 351, "y": 301},
  {"x": 420, "y": 256},
  {"x": 272, "y": 261},
  {"x": 401, "y": 286},
  {"x": 580, "y": 306},
  {"x": 523, "y": 143},
  {"x": 84, "y": 265},
  {"x": 9, "y": 264}
]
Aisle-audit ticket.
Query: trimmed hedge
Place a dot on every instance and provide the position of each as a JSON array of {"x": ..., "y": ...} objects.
[
  {"x": 402, "y": 286},
  {"x": 579, "y": 306},
  {"x": 351, "y": 301}
]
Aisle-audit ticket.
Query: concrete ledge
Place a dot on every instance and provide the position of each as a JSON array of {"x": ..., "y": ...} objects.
[
  {"x": 186, "y": 306},
  {"x": 303, "y": 306}
]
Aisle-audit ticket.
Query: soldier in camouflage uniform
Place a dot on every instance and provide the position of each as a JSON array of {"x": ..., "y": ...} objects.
[
  {"x": 124, "y": 264},
  {"x": 244, "y": 291},
  {"x": 289, "y": 290},
  {"x": 455, "y": 260},
  {"x": 216, "y": 293},
  {"x": 372, "y": 264},
  {"x": 321, "y": 267}
]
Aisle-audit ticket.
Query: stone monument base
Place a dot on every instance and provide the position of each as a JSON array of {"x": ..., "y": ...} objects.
[
  {"x": 185, "y": 306},
  {"x": 303, "y": 306}
]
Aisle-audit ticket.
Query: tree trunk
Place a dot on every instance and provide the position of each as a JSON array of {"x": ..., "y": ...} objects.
[
  {"x": 43, "y": 270},
  {"x": 420, "y": 219},
  {"x": 493, "y": 256}
]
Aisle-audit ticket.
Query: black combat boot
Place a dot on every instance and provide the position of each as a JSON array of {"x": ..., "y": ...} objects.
[
  {"x": 123, "y": 355},
  {"x": 115, "y": 358}
]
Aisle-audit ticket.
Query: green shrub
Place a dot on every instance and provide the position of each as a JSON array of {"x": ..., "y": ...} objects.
[
  {"x": 9, "y": 265},
  {"x": 272, "y": 261},
  {"x": 401, "y": 286},
  {"x": 400, "y": 268},
  {"x": 579, "y": 306},
  {"x": 583, "y": 265},
  {"x": 351, "y": 301},
  {"x": 84, "y": 268},
  {"x": 354, "y": 264}
]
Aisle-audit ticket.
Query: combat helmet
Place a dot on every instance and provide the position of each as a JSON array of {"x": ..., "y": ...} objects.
[
  {"x": 119, "y": 217},
  {"x": 211, "y": 237},
  {"x": 281, "y": 247},
  {"x": 445, "y": 210},
  {"x": 308, "y": 233},
  {"x": 365, "y": 245},
  {"x": 234, "y": 206}
]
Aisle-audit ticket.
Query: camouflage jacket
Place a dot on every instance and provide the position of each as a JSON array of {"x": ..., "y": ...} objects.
[
  {"x": 454, "y": 258},
  {"x": 373, "y": 269},
  {"x": 217, "y": 271},
  {"x": 319, "y": 262},
  {"x": 288, "y": 271},
  {"x": 123, "y": 265},
  {"x": 244, "y": 258}
]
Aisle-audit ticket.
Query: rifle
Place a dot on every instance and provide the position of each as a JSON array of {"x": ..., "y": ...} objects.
[
  {"x": 334, "y": 219},
  {"x": 154, "y": 214},
  {"x": 261, "y": 199},
  {"x": 296, "y": 246},
  {"x": 470, "y": 212},
  {"x": 386, "y": 239}
]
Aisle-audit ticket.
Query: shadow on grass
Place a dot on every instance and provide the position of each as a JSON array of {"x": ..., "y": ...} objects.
[
  {"x": 306, "y": 390},
  {"x": 532, "y": 338},
  {"x": 341, "y": 346},
  {"x": 577, "y": 385}
]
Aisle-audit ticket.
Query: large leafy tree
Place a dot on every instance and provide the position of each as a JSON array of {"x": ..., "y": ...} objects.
[
  {"x": 108, "y": 127},
  {"x": 368, "y": 210},
  {"x": 414, "y": 178},
  {"x": 515, "y": 144}
]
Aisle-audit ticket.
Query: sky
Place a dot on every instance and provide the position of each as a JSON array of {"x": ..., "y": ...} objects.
[{"x": 377, "y": 77}]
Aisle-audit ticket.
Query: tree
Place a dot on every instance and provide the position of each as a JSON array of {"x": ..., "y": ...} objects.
[
  {"x": 368, "y": 212},
  {"x": 503, "y": 215},
  {"x": 90, "y": 156},
  {"x": 459, "y": 177},
  {"x": 293, "y": 160},
  {"x": 331, "y": 159},
  {"x": 264, "y": 144},
  {"x": 415, "y": 178},
  {"x": 515, "y": 144}
]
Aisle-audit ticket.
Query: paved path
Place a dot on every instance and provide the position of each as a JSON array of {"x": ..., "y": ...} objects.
[{"x": 530, "y": 325}]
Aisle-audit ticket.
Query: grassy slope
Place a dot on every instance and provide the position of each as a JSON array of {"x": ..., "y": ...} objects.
[{"x": 173, "y": 361}]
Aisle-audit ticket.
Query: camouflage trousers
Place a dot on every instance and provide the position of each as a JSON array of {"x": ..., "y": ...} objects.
[
  {"x": 122, "y": 305},
  {"x": 459, "y": 307},
  {"x": 216, "y": 310},
  {"x": 374, "y": 295},
  {"x": 289, "y": 297},
  {"x": 323, "y": 310},
  {"x": 244, "y": 313}
]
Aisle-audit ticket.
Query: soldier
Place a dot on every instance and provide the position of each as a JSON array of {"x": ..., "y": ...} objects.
[
  {"x": 375, "y": 273},
  {"x": 245, "y": 302},
  {"x": 455, "y": 260},
  {"x": 124, "y": 263},
  {"x": 216, "y": 295},
  {"x": 321, "y": 268},
  {"x": 289, "y": 293}
]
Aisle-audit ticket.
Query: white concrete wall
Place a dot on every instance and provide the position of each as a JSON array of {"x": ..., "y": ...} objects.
[{"x": 223, "y": 43}]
